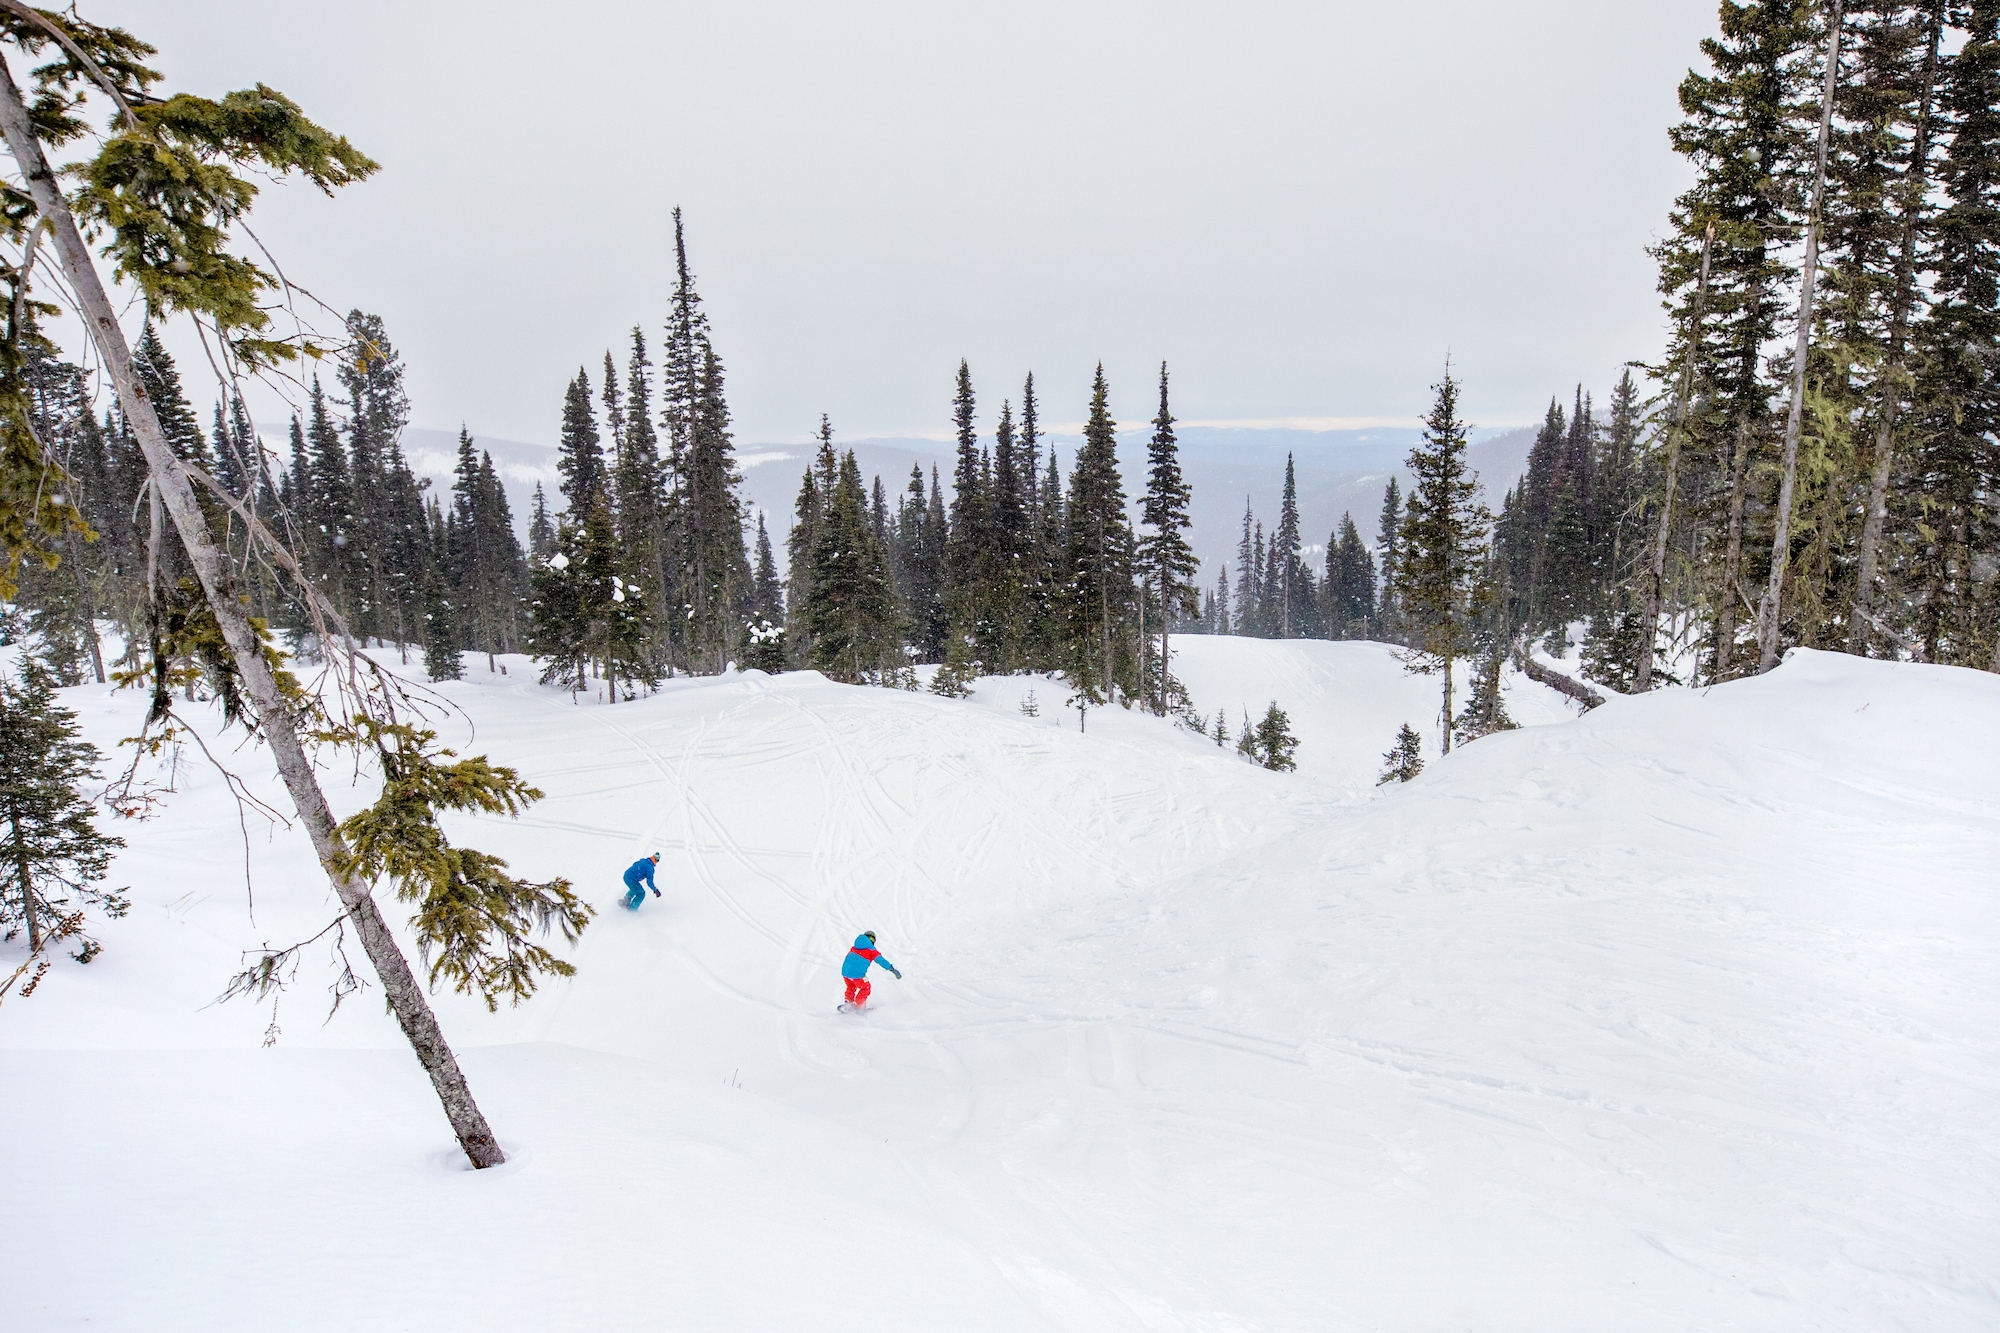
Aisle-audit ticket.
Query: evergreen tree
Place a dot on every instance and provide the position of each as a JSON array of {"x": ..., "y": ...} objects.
[
  {"x": 1956, "y": 471},
  {"x": 1742, "y": 132},
  {"x": 1013, "y": 541},
  {"x": 1405, "y": 758},
  {"x": 1166, "y": 561},
  {"x": 1249, "y": 575},
  {"x": 441, "y": 659},
  {"x": 850, "y": 608},
  {"x": 1285, "y": 560},
  {"x": 968, "y": 563},
  {"x": 1051, "y": 580},
  {"x": 1100, "y": 557},
  {"x": 1350, "y": 582},
  {"x": 808, "y": 515},
  {"x": 639, "y": 486},
  {"x": 385, "y": 564},
  {"x": 579, "y": 453},
  {"x": 1388, "y": 540},
  {"x": 330, "y": 516},
  {"x": 53, "y": 854},
  {"x": 1444, "y": 531},
  {"x": 541, "y": 528},
  {"x": 764, "y": 634},
  {"x": 162, "y": 381},
  {"x": 1271, "y": 743},
  {"x": 1485, "y": 712},
  {"x": 920, "y": 543},
  {"x": 714, "y": 577}
]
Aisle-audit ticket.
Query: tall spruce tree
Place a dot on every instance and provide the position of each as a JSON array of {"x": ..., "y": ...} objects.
[
  {"x": 1443, "y": 535},
  {"x": 1389, "y": 541},
  {"x": 1350, "y": 582},
  {"x": 1166, "y": 560},
  {"x": 1101, "y": 596}
]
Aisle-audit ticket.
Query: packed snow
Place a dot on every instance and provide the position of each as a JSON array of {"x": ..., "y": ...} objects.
[{"x": 1682, "y": 1014}]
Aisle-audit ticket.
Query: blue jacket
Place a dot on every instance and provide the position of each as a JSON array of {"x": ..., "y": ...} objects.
[
  {"x": 860, "y": 956},
  {"x": 641, "y": 869}
]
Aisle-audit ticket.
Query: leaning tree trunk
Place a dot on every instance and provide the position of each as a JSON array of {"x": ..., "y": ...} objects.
[
  {"x": 172, "y": 485},
  {"x": 1781, "y": 539}
]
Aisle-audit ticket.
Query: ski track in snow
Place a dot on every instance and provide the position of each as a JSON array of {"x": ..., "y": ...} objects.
[{"x": 1680, "y": 1015}]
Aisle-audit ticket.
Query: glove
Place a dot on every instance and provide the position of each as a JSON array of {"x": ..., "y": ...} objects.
[
  {"x": 898, "y": 975},
  {"x": 656, "y": 893}
]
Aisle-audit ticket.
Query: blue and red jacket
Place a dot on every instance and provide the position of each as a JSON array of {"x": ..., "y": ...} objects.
[{"x": 860, "y": 956}]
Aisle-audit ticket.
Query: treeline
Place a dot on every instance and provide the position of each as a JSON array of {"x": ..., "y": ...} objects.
[
  {"x": 1820, "y": 466},
  {"x": 645, "y": 571},
  {"x": 1276, "y": 593},
  {"x": 394, "y": 563},
  {"x": 1019, "y": 569}
]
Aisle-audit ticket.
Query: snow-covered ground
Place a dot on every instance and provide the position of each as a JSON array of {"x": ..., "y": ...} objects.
[{"x": 1681, "y": 1015}]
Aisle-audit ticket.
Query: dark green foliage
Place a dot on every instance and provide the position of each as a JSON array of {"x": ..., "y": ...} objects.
[
  {"x": 1349, "y": 590},
  {"x": 1484, "y": 713},
  {"x": 441, "y": 660},
  {"x": 1165, "y": 559},
  {"x": 1442, "y": 540},
  {"x": 1389, "y": 538},
  {"x": 1271, "y": 743},
  {"x": 52, "y": 857},
  {"x": 1100, "y": 600},
  {"x": 849, "y": 610},
  {"x": 473, "y": 921},
  {"x": 1405, "y": 758},
  {"x": 579, "y": 452},
  {"x": 1611, "y": 650}
]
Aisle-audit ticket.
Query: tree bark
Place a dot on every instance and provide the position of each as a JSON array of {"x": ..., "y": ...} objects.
[
  {"x": 1657, "y": 574},
  {"x": 1732, "y": 558},
  {"x": 1446, "y": 748},
  {"x": 27, "y": 881},
  {"x": 1916, "y": 180},
  {"x": 1781, "y": 538},
  {"x": 1556, "y": 680},
  {"x": 170, "y": 482}
]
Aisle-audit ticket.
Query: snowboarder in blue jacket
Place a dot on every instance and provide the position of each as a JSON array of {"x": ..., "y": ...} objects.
[
  {"x": 639, "y": 878},
  {"x": 854, "y": 968}
]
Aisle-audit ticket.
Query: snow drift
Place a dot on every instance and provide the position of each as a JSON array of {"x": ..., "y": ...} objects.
[{"x": 1678, "y": 1015}]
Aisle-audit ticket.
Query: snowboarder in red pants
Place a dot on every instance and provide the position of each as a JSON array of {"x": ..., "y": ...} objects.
[{"x": 854, "y": 969}]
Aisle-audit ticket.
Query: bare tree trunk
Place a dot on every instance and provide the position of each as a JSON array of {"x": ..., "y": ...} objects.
[
  {"x": 170, "y": 482},
  {"x": 1732, "y": 559},
  {"x": 26, "y": 879},
  {"x": 1781, "y": 538},
  {"x": 1914, "y": 188},
  {"x": 1658, "y": 572},
  {"x": 96, "y": 649},
  {"x": 1447, "y": 706}
]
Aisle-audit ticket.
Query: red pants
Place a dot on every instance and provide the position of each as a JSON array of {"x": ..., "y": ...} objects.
[{"x": 857, "y": 990}]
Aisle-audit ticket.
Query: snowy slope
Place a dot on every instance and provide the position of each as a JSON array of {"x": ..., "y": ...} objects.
[{"x": 1680, "y": 1015}]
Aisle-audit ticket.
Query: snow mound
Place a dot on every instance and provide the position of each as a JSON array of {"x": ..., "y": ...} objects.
[{"x": 1683, "y": 1014}]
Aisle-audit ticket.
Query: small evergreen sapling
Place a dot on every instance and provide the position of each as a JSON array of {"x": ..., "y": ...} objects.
[
  {"x": 1405, "y": 759},
  {"x": 52, "y": 856},
  {"x": 1271, "y": 742}
]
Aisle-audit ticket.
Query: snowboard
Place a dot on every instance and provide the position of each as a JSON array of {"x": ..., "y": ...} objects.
[{"x": 845, "y": 1008}]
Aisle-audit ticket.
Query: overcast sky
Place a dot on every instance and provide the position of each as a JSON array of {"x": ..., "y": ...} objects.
[{"x": 1301, "y": 207}]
